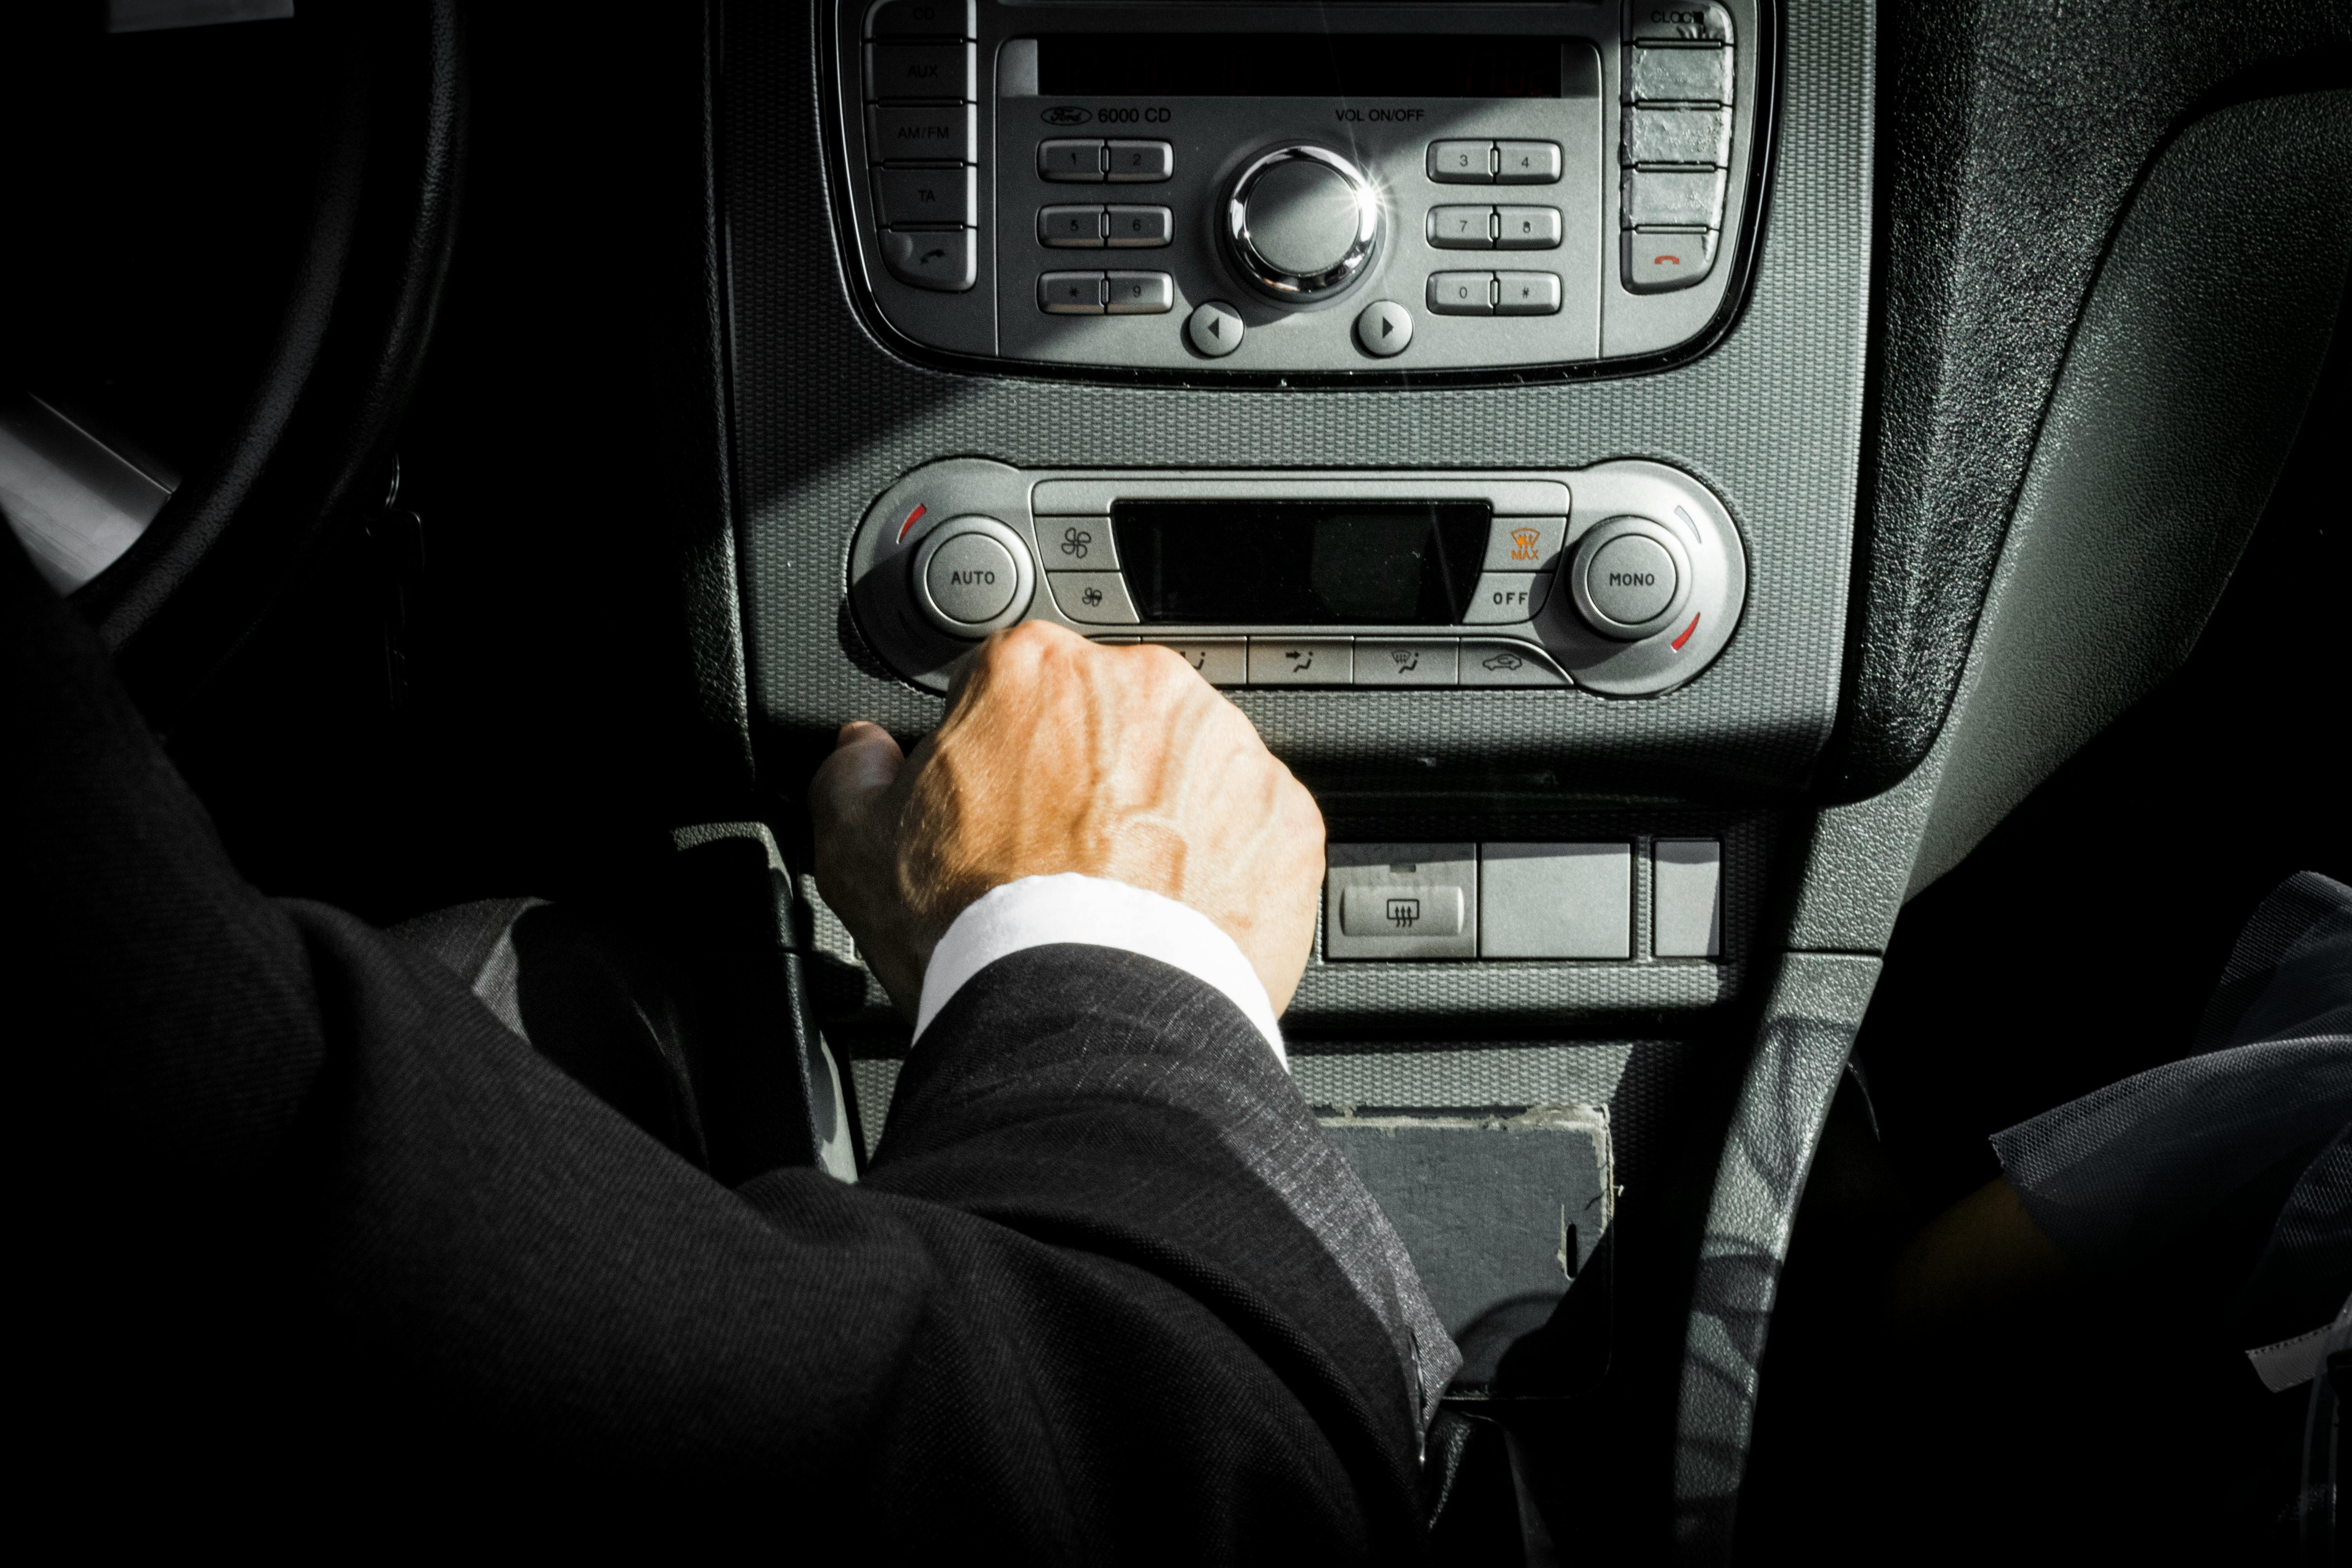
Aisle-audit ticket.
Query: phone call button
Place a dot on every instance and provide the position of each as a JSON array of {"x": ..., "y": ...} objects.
[
  {"x": 944, "y": 260},
  {"x": 1657, "y": 260}
]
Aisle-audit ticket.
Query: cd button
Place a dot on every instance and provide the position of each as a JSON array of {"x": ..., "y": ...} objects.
[
  {"x": 921, "y": 19},
  {"x": 1506, "y": 599},
  {"x": 1300, "y": 661},
  {"x": 1407, "y": 661},
  {"x": 1093, "y": 598}
]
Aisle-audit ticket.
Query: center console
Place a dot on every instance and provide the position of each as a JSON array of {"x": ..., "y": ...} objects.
[{"x": 1472, "y": 393}]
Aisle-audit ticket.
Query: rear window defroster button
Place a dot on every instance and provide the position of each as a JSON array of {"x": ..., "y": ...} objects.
[{"x": 1401, "y": 910}]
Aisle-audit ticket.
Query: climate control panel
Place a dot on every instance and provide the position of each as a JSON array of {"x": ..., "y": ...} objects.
[{"x": 1626, "y": 578}]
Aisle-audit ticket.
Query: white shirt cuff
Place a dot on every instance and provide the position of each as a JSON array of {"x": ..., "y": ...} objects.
[{"x": 1036, "y": 912}]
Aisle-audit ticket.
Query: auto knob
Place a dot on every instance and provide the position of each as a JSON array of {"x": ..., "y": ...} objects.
[
  {"x": 1301, "y": 222},
  {"x": 972, "y": 576}
]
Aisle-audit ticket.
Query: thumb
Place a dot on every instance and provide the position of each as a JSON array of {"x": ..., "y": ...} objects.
[{"x": 863, "y": 765}]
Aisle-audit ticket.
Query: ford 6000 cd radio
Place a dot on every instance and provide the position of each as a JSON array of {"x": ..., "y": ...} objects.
[{"x": 1223, "y": 191}]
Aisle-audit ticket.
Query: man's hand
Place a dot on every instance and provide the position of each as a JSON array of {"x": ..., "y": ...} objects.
[{"x": 1059, "y": 755}]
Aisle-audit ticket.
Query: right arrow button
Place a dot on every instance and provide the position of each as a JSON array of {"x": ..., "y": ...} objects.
[{"x": 1383, "y": 329}]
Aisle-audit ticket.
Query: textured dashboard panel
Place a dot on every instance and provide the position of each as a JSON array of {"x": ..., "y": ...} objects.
[
  {"x": 2017, "y": 131},
  {"x": 825, "y": 418}
]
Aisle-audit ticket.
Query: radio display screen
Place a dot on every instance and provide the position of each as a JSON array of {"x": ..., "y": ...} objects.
[
  {"x": 1296, "y": 65},
  {"x": 1396, "y": 563}
]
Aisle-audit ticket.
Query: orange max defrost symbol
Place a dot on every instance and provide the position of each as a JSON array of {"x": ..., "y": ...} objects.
[{"x": 1523, "y": 543}]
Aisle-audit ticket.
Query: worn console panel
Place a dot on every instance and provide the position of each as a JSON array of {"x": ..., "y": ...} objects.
[{"x": 1233, "y": 191}]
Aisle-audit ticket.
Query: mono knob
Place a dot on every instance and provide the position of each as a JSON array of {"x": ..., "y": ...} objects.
[
  {"x": 1630, "y": 577},
  {"x": 1302, "y": 223}
]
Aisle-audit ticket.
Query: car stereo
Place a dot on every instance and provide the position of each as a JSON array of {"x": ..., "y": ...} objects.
[
  {"x": 1626, "y": 578},
  {"x": 1220, "y": 189}
]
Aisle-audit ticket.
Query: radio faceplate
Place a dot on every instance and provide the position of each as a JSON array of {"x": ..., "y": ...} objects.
[
  {"x": 1626, "y": 578},
  {"x": 1235, "y": 191}
]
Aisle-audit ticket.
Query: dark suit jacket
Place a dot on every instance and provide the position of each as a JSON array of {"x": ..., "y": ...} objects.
[{"x": 304, "y": 1227}]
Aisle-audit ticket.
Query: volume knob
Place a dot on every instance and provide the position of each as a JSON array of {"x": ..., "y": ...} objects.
[{"x": 1302, "y": 223}]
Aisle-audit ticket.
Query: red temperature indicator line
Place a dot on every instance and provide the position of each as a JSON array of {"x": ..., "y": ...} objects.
[
  {"x": 1677, "y": 644},
  {"x": 917, "y": 516}
]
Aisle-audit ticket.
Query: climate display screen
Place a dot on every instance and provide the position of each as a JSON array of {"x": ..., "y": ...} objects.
[
  {"x": 1401, "y": 564},
  {"x": 1295, "y": 65}
]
